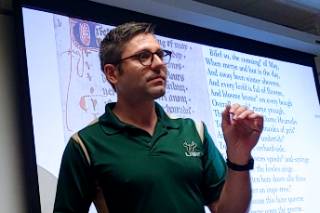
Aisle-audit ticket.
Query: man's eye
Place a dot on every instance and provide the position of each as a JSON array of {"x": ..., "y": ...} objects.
[
  {"x": 144, "y": 55},
  {"x": 160, "y": 54}
]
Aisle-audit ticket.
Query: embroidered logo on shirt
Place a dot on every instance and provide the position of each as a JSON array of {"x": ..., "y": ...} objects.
[{"x": 191, "y": 149}]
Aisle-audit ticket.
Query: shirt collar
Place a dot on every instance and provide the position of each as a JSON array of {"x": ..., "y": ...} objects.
[{"x": 111, "y": 124}]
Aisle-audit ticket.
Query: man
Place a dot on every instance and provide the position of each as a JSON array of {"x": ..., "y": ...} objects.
[{"x": 136, "y": 159}]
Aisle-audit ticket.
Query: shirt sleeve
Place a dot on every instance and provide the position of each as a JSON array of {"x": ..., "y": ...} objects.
[
  {"x": 214, "y": 169},
  {"x": 75, "y": 182}
]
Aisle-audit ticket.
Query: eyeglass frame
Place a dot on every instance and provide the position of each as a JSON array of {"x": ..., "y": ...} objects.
[{"x": 138, "y": 56}]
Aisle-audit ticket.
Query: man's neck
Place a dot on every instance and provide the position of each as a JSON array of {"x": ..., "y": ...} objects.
[{"x": 141, "y": 115}]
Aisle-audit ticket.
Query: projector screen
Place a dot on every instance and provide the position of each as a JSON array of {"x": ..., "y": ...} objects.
[{"x": 68, "y": 91}]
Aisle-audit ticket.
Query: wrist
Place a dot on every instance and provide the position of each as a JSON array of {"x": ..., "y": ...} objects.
[
  {"x": 240, "y": 167},
  {"x": 238, "y": 157}
]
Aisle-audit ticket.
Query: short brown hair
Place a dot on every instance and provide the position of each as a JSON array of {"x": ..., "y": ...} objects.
[{"x": 111, "y": 46}]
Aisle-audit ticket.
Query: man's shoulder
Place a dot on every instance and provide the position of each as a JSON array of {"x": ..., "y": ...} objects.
[
  {"x": 93, "y": 129},
  {"x": 190, "y": 125},
  {"x": 94, "y": 124},
  {"x": 89, "y": 137},
  {"x": 182, "y": 121}
]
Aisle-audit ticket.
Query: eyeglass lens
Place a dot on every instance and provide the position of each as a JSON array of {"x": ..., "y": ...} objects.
[{"x": 146, "y": 57}]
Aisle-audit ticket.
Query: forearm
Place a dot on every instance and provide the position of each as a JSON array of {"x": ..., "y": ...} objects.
[
  {"x": 236, "y": 193},
  {"x": 241, "y": 130}
]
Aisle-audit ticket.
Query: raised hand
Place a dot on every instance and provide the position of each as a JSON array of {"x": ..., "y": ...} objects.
[{"x": 241, "y": 128}]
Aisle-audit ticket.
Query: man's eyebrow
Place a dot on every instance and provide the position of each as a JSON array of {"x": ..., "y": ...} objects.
[{"x": 147, "y": 50}]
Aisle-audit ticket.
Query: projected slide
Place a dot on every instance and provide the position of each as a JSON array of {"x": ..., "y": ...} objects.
[{"x": 68, "y": 91}]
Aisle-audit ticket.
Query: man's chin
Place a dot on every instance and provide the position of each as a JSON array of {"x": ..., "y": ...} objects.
[{"x": 159, "y": 92}]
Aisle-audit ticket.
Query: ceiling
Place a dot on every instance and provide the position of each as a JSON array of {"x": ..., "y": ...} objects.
[{"x": 302, "y": 15}]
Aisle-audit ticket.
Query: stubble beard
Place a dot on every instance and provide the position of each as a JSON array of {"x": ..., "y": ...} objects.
[{"x": 160, "y": 93}]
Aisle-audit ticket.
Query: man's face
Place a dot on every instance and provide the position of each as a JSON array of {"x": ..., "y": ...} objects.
[{"x": 136, "y": 81}]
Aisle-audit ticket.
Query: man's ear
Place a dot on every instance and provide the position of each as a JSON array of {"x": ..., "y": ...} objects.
[{"x": 111, "y": 72}]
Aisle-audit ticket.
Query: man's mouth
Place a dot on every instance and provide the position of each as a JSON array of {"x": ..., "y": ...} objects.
[{"x": 157, "y": 78}]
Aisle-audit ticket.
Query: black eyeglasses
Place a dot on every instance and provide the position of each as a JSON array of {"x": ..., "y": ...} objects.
[{"x": 145, "y": 57}]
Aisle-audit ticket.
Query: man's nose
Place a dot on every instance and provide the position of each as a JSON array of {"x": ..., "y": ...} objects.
[{"x": 157, "y": 61}]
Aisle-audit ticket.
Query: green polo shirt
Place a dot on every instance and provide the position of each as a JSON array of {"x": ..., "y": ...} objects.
[{"x": 171, "y": 171}]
